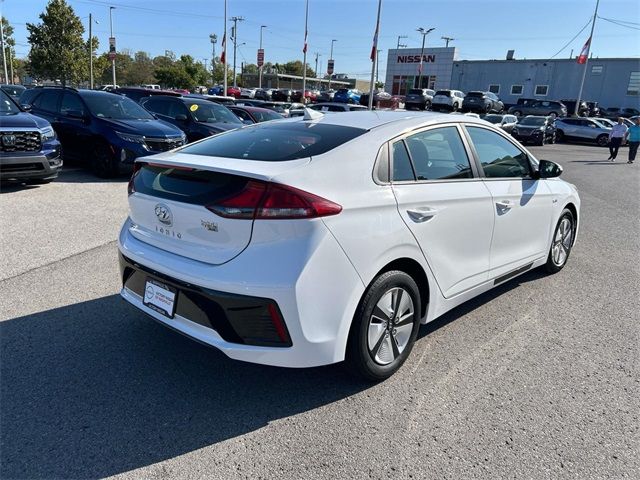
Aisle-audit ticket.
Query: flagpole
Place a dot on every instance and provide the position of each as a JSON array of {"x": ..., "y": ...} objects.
[
  {"x": 584, "y": 71},
  {"x": 225, "y": 48},
  {"x": 375, "y": 56},
  {"x": 304, "y": 51}
]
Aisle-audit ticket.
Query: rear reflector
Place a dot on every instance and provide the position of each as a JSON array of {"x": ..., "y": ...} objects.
[{"x": 271, "y": 201}]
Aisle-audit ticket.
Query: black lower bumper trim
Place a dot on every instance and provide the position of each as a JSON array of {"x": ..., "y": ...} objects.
[{"x": 236, "y": 318}]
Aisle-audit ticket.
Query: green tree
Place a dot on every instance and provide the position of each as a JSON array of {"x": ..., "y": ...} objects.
[
  {"x": 218, "y": 72},
  {"x": 295, "y": 68},
  {"x": 9, "y": 49},
  {"x": 142, "y": 69},
  {"x": 57, "y": 48}
]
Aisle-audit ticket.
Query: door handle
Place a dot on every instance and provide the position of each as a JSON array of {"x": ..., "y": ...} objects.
[
  {"x": 420, "y": 215},
  {"x": 505, "y": 204}
]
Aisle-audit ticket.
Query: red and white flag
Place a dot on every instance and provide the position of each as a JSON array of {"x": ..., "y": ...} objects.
[
  {"x": 223, "y": 56},
  {"x": 374, "y": 49},
  {"x": 584, "y": 53}
]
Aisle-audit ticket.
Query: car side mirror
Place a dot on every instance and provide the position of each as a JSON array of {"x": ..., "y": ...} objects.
[
  {"x": 181, "y": 118},
  {"x": 26, "y": 107},
  {"x": 549, "y": 169}
]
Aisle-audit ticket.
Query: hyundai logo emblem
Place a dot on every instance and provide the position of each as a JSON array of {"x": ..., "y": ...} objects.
[{"x": 164, "y": 214}]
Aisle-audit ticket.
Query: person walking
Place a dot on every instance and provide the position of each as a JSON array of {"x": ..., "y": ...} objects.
[
  {"x": 616, "y": 136},
  {"x": 633, "y": 135}
]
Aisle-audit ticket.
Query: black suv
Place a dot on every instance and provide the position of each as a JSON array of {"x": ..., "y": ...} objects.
[
  {"x": 419, "y": 98},
  {"x": 137, "y": 94},
  {"x": 482, "y": 102},
  {"x": 104, "y": 129},
  {"x": 571, "y": 107},
  {"x": 197, "y": 118}
]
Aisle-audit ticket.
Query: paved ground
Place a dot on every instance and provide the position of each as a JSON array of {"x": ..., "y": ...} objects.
[{"x": 538, "y": 379}]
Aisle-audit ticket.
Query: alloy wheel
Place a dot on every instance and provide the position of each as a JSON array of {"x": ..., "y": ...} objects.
[
  {"x": 390, "y": 326},
  {"x": 562, "y": 242}
]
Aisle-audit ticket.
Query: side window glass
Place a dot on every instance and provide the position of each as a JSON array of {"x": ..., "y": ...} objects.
[
  {"x": 156, "y": 105},
  {"x": 177, "y": 108},
  {"x": 439, "y": 154},
  {"x": 71, "y": 103},
  {"x": 402, "y": 169},
  {"x": 47, "y": 101},
  {"x": 499, "y": 157},
  {"x": 242, "y": 115}
]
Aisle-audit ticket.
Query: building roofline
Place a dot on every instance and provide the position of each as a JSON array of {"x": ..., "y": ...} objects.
[{"x": 573, "y": 59}]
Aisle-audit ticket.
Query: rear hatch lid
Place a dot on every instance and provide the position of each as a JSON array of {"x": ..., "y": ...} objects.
[{"x": 169, "y": 199}]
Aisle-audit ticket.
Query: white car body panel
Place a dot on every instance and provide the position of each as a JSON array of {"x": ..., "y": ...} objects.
[{"x": 318, "y": 270}]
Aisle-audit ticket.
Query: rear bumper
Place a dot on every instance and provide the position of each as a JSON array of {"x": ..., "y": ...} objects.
[
  {"x": 30, "y": 167},
  {"x": 309, "y": 278}
]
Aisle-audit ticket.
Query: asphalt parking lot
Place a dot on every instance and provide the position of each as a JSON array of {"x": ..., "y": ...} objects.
[{"x": 539, "y": 378}]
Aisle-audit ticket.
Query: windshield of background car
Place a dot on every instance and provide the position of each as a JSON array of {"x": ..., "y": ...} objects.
[
  {"x": 116, "y": 107},
  {"x": 266, "y": 115},
  {"x": 493, "y": 118},
  {"x": 538, "y": 122},
  {"x": 14, "y": 90},
  {"x": 275, "y": 142},
  {"x": 212, "y": 113},
  {"x": 415, "y": 91},
  {"x": 446, "y": 93},
  {"x": 475, "y": 94},
  {"x": 7, "y": 106}
]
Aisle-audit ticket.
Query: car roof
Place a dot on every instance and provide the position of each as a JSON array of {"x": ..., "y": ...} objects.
[{"x": 250, "y": 108}]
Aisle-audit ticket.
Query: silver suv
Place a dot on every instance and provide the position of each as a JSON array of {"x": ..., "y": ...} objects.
[
  {"x": 447, "y": 100},
  {"x": 582, "y": 130},
  {"x": 419, "y": 98},
  {"x": 545, "y": 108}
]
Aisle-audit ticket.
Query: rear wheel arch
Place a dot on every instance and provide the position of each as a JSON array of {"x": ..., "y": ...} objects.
[
  {"x": 574, "y": 211},
  {"x": 415, "y": 271}
]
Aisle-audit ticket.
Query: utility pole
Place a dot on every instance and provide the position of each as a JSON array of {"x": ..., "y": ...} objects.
[
  {"x": 304, "y": 51},
  {"x": 377, "y": 63},
  {"x": 113, "y": 60},
  {"x": 399, "y": 44},
  {"x": 214, "y": 38},
  {"x": 424, "y": 34},
  {"x": 331, "y": 59},
  {"x": 90, "y": 52},
  {"x": 447, "y": 40},
  {"x": 374, "y": 52},
  {"x": 224, "y": 48},
  {"x": 584, "y": 71},
  {"x": 234, "y": 36},
  {"x": 259, "y": 50},
  {"x": 317, "y": 55},
  {"x": 4, "y": 54}
]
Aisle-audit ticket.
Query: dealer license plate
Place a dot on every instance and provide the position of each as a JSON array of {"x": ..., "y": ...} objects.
[{"x": 160, "y": 297}]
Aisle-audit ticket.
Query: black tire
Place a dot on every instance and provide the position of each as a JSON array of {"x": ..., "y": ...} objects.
[
  {"x": 103, "y": 162},
  {"x": 359, "y": 358},
  {"x": 541, "y": 141},
  {"x": 553, "y": 115},
  {"x": 517, "y": 113},
  {"x": 556, "y": 263},
  {"x": 602, "y": 140},
  {"x": 559, "y": 136},
  {"x": 455, "y": 107}
]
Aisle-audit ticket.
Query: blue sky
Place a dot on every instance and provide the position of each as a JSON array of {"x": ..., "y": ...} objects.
[{"x": 483, "y": 29}]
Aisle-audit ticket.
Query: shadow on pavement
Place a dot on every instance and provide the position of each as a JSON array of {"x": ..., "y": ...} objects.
[{"x": 95, "y": 389}]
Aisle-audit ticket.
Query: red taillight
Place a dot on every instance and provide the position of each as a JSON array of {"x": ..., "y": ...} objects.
[
  {"x": 136, "y": 168},
  {"x": 270, "y": 201},
  {"x": 278, "y": 323}
]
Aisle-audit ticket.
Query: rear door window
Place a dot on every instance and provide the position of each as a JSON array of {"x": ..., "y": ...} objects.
[
  {"x": 157, "y": 105},
  {"x": 48, "y": 100},
  {"x": 71, "y": 103},
  {"x": 439, "y": 154}
]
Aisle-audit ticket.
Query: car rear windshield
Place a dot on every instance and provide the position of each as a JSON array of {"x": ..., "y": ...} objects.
[
  {"x": 415, "y": 91},
  {"x": 275, "y": 142},
  {"x": 475, "y": 94},
  {"x": 537, "y": 121},
  {"x": 446, "y": 93},
  {"x": 493, "y": 118},
  {"x": 343, "y": 90}
]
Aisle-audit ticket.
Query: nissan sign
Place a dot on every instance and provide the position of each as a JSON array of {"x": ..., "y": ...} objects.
[{"x": 415, "y": 58}]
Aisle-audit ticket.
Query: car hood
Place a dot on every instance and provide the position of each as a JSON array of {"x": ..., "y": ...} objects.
[
  {"x": 23, "y": 120},
  {"x": 148, "y": 128}
]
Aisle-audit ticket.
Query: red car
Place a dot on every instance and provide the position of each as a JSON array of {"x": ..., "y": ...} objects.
[
  {"x": 309, "y": 95},
  {"x": 233, "y": 92}
]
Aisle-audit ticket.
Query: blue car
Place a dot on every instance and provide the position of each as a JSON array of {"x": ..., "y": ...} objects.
[
  {"x": 347, "y": 95},
  {"x": 217, "y": 90},
  {"x": 30, "y": 151},
  {"x": 106, "y": 130}
]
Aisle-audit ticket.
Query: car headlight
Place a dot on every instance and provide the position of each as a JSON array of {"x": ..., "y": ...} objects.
[
  {"x": 130, "y": 137},
  {"x": 47, "y": 133}
]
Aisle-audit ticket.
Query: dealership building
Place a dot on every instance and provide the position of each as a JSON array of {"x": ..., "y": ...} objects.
[{"x": 613, "y": 82}]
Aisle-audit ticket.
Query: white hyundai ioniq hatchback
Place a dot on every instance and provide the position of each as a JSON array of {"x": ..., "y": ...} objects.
[{"x": 333, "y": 237}]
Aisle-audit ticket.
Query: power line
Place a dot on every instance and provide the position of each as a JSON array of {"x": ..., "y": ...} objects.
[
  {"x": 570, "y": 41},
  {"x": 618, "y": 20},
  {"x": 619, "y": 24}
]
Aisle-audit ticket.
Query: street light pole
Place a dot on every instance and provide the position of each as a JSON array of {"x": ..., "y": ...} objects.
[
  {"x": 424, "y": 36},
  {"x": 113, "y": 60},
  {"x": 317, "y": 55},
  {"x": 377, "y": 64},
  {"x": 4, "y": 55},
  {"x": 374, "y": 52},
  {"x": 234, "y": 33},
  {"x": 260, "y": 66},
  {"x": 331, "y": 58},
  {"x": 224, "y": 49},
  {"x": 214, "y": 38},
  {"x": 447, "y": 40},
  {"x": 304, "y": 51},
  {"x": 90, "y": 52}
]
